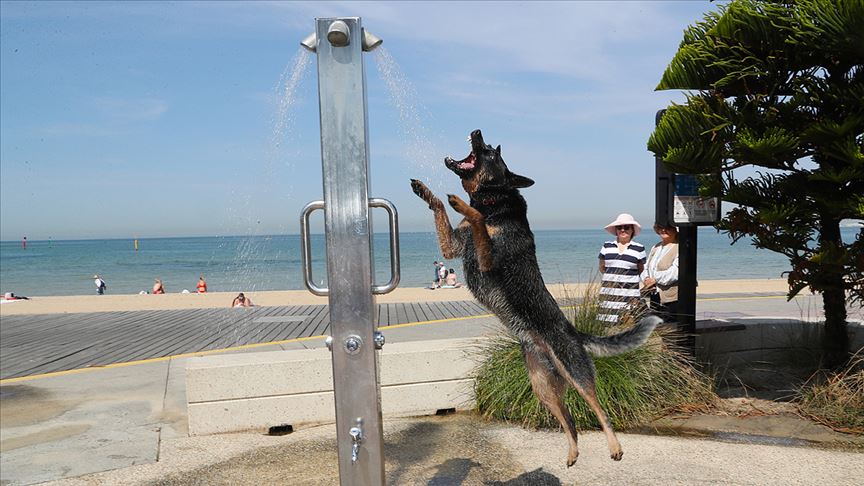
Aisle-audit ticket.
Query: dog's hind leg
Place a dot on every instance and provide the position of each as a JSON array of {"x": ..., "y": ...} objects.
[
  {"x": 549, "y": 387},
  {"x": 589, "y": 393},
  {"x": 573, "y": 362}
]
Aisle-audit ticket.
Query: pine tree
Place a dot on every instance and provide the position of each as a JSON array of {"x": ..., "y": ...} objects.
[{"x": 775, "y": 96}]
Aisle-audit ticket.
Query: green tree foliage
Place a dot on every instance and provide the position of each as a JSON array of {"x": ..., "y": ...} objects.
[{"x": 775, "y": 95}]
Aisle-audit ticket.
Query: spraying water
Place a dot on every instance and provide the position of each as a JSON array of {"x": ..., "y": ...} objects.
[
  {"x": 419, "y": 149},
  {"x": 251, "y": 254},
  {"x": 287, "y": 88}
]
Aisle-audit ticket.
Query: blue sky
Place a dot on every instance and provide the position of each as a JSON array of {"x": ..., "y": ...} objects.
[{"x": 146, "y": 119}]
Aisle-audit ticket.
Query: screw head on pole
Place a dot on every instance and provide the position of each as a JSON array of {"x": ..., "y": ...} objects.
[{"x": 353, "y": 344}]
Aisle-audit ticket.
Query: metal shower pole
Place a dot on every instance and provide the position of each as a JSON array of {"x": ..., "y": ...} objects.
[{"x": 339, "y": 44}]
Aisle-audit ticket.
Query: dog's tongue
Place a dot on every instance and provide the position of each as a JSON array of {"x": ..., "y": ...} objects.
[{"x": 468, "y": 164}]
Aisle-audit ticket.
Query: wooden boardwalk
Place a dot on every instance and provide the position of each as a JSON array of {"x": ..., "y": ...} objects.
[{"x": 37, "y": 344}]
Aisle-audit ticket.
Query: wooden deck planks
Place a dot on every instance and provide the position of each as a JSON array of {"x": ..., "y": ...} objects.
[{"x": 37, "y": 344}]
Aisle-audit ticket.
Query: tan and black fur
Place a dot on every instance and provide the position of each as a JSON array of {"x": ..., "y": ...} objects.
[{"x": 497, "y": 249}]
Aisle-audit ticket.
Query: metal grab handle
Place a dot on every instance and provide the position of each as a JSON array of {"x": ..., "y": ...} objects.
[
  {"x": 394, "y": 246},
  {"x": 306, "y": 248}
]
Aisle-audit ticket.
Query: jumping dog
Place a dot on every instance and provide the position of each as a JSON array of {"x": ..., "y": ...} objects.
[{"x": 500, "y": 267}]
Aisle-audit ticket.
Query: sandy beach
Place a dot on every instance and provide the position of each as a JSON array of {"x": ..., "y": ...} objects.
[{"x": 133, "y": 302}]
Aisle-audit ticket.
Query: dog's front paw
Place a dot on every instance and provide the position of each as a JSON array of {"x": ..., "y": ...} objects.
[
  {"x": 419, "y": 188},
  {"x": 424, "y": 193},
  {"x": 458, "y": 204},
  {"x": 617, "y": 455}
]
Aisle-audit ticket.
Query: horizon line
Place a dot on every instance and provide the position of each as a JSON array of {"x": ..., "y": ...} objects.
[{"x": 853, "y": 224}]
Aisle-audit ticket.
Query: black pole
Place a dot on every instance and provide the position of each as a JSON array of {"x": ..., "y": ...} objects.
[
  {"x": 662, "y": 186},
  {"x": 663, "y": 214},
  {"x": 687, "y": 244}
]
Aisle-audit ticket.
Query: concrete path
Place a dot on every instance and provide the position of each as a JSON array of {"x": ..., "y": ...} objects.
[
  {"x": 462, "y": 450},
  {"x": 130, "y": 421}
]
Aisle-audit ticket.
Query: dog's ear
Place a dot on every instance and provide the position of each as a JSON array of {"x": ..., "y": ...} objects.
[
  {"x": 498, "y": 150},
  {"x": 518, "y": 181}
]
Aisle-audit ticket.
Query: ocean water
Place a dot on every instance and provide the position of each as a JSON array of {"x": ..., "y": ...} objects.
[{"x": 238, "y": 263}]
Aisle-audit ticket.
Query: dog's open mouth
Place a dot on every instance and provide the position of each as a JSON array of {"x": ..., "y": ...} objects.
[
  {"x": 469, "y": 163},
  {"x": 465, "y": 165}
]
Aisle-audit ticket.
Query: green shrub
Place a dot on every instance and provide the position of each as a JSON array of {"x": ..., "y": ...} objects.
[
  {"x": 837, "y": 400},
  {"x": 633, "y": 388}
]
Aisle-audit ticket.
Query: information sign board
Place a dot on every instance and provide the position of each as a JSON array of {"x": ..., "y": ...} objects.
[{"x": 688, "y": 207}]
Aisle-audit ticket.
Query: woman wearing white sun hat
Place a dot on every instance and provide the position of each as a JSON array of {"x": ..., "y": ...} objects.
[{"x": 621, "y": 262}]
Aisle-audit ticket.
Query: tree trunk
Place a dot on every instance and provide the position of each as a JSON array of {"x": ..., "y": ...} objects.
[{"x": 836, "y": 340}]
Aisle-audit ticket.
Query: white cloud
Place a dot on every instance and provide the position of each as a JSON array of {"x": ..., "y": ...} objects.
[{"x": 130, "y": 110}]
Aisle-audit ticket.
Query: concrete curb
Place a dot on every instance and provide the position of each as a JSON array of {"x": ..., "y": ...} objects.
[{"x": 232, "y": 393}]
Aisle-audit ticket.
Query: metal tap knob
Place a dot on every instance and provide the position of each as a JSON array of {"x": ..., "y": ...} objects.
[
  {"x": 378, "y": 338},
  {"x": 356, "y": 438}
]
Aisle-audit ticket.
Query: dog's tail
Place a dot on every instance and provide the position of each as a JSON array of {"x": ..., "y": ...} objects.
[{"x": 623, "y": 342}]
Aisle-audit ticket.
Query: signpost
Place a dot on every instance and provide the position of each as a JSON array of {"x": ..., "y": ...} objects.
[
  {"x": 688, "y": 207},
  {"x": 677, "y": 201}
]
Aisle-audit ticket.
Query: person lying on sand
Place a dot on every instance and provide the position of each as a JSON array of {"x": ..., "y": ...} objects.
[
  {"x": 10, "y": 296},
  {"x": 241, "y": 301}
]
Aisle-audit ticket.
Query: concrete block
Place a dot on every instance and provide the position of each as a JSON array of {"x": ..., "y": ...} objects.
[
  {"x": 792, "y": 334},
  {"x": 318, "y": 408},
  {"x": 214, "y": 417},
  {"x": 228, "y": 393},
  {"x": 856, "y": 335},
  {"x": 262, "y": 374},
  {"x": 726, "y": 341}
]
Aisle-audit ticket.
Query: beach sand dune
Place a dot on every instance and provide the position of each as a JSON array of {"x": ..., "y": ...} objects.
[{"x": 133, "y": 302}]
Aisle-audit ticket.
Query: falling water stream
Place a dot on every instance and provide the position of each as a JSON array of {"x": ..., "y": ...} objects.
[
  {"x": 419, "y": 150},
  {"x": 254, "y": 251}
]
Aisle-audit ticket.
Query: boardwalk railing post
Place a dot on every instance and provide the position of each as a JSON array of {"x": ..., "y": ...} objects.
[{"x": 339, "y": 44}]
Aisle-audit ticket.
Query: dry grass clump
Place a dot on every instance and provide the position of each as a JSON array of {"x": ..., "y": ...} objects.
[
  {"x": 837, "y": 400},
  {"x": 634, "y": 388}
]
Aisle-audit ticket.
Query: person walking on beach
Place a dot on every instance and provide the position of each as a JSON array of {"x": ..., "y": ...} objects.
[
  {"x": 621, "y": 263},
  {"x": 436, "y": 280},
  {"x": 660, "y": 277},
  {"x": 442, "y": 274},
  {"x": 100, "y": 284},
  {"x": 158, "y": 288},
  {"x": 202, "y": 285},
  {"x": 241, "y": 301}
]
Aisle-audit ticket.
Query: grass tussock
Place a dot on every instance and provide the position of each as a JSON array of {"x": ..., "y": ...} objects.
[
  {"x": 633, "y": 388},
  {"x": 837, "y": 400}
]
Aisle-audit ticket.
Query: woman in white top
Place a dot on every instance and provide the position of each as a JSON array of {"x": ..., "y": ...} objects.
[
  {"x": 621, "y": 263},
  {"x": 660, "y": 277}
]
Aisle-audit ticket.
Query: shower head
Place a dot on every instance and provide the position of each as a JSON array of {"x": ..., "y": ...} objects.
[
  {"x": 370, "y": 41},
  {"x": 310, "y": 42},
  {"x": 339, "y": 36}
]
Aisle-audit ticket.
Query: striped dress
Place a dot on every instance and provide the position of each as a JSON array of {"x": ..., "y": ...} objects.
[{"x": 620, "y": 280}]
